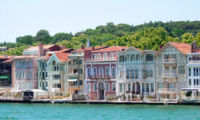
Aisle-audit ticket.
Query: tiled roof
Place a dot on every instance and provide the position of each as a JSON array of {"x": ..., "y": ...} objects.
[
  {"x": 36, "y": 47},
  {"x": 89, "y": 48},
  {"x": 182, "y": 47},
  {"x": 111, "y": 49},
  {"x": 62, "y": 56},
  {"x": 63, "y": 50}
]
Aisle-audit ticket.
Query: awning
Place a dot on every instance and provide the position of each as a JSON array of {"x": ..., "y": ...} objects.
[
  {"x": 72, "y": 80},
  {"x": 190, "y": 89},
  {"x": 3, "y": 77}
]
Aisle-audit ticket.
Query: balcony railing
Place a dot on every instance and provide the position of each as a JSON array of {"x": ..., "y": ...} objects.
[
  {"x": 167, "y": 90},
  {"x": 194, "y": 61},
  {"x": 169, "y": 60},
  {"x": 100, "y": 77},
  {"x": 98, "y": 60},
  {"x": 169, "y": 75}
]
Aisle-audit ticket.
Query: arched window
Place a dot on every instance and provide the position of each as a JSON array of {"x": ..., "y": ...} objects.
[
  {"x": 127, "y": 73},
  {"x": 101, "y": 71},
  {"x": 95, "y": 71},
  {"x": 88, "y": 72}
]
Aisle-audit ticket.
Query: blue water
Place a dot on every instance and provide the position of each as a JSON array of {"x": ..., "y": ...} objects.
[{"x": 15, "y": 111}]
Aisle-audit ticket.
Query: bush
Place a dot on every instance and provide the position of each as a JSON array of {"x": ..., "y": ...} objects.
[{"x": 188, "y": 93}]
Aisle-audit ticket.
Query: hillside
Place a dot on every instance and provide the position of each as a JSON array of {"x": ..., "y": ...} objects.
[{"x": 150, "y": 35}]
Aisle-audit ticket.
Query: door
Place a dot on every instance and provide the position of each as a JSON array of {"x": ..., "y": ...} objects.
[{"x": 101, "y": 91}]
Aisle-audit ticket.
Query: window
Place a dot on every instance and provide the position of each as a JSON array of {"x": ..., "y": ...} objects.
[
  {"x": 95, "y": 87},
  {"x": 93, "y": 57},
  {"x": 107, "y": 71},
  {"x": 127, "y": 58},
  {"x": 107, "y": 87},
  {"x": 95, "y": 71},
  {"x": 133, "y": 73},
  {"x": 56, "y": 77},
  {"x": 137, "y": 74},
  {"x": 129, "y": 87},
  {"x": 189, "y": 71},
  {"x": 137, "y": 57},
  {"x": 132, "y": 57},
  {"x": 105, "y": 56},
  {"x": 113, "y": 87},
  {"x": 143, "y": 88},
  {"x": 89, "y": 87},
  {"x": 181, "y": 68},
  {"x": 89, "y": 72},
  {"x": 152, "y": 87},
  {"x": 80, "y": 71},
  {"x": 127, "y": 73},
  {"x": 194, "y": 72},
  {"x": 194, "y": 80},
  {"x": 101, "y": 71},
  {"x": 147, "y": 87},
  {"x": 113, "y": 72},
  {"x": 189, "y": 81},
  {"x": 80, "y": 82},
  {"x": 121, "y": 87},
  {"x": 111, "y": 56},
  {"x": 149, "y": 57},
  {"x": 57, "y": 85}
]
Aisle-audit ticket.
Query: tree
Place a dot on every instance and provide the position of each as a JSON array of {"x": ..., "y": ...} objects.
[
  {"x": 43, "y": 36},
  {"x": 187, "y": 38},
  {"x": 27, "y": 39},
  {"x": 61, "y": 36}
]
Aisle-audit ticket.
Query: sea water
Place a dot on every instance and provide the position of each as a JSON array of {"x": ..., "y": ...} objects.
[{"x": 19, "y": 111}]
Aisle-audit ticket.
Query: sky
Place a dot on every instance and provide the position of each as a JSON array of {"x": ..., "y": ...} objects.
[{"x": 27, "y": 17}]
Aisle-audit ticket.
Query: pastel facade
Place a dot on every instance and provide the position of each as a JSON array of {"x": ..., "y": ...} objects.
[
  {"x": 136, "y": 73},
  {"x": 57, "y": 67},
  {"x": 76, "y": 72},
  {"x": 100, "y": 72},
  {"x": 24, "y": 72},
  {"x": 171, "y": 74}
]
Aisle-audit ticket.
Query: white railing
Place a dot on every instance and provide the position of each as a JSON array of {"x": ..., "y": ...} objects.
[
  {"x": 169, "y": 60},
  {"x": 169, "y": 75},
  {"x": 167, "y": 90},
  {"x": 98, "y": 60},
  {"x": 194, "y": 61}
]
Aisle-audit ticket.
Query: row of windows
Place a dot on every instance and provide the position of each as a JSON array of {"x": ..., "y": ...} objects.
[
  {"x": 135, "y": 57},
  {"x": 101, "y": 71},
  {"x": 23, "y": 75},
  {"x": 107, "y": 88},
  {"x": 106, "y": 56},
  {"x": 196, "y": 71},
  {"x": 194, "y": 81}
]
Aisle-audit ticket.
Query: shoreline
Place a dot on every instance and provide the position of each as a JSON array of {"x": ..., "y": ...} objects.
[{"x": 98, "y": 102}]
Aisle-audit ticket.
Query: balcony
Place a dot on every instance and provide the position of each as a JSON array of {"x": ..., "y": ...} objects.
[
  {"x": 167, "y": 90},
  {"x": 169, "y": 61},
  {"x": 99, "y": 77},
  {"x": 99, "y": 60},
  {"x": 169, "y": 75}
]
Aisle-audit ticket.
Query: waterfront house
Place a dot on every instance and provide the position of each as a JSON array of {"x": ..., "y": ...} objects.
[
  {"x": 24, "y": 72},
  {"x": 76, "y": 72},
  {"x": 100, "y": 72},
  {"x": 135, "y": 73},
  {"x": 25, "y": 67},
  {"x": 193, "y": 71},
  {"x": 57, "y": 67},
  {"x": 42, "y": 68},
  {"x": 171, "y": 74}
]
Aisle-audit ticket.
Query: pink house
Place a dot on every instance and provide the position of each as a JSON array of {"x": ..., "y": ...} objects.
[
  {"x": 25, "y": 67},
  {"x": 100, "y": 72}
]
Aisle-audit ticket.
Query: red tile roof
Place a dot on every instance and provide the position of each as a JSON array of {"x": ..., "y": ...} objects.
[
  {"x": 111, "y": 49},
  {"x": 89, "y": 48},
  {"x": 182, "y": 47},
  {"x": 36, "y": 47},
  {"x": 62, "y": 56}
]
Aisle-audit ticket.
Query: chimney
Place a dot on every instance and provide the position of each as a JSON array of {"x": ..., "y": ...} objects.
[
  {"x": 82, "y": 46},
  {"x": 194, "y": 47},
  {"x": 41, "y": 49},
  {"x": 93, "y": 48}
]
